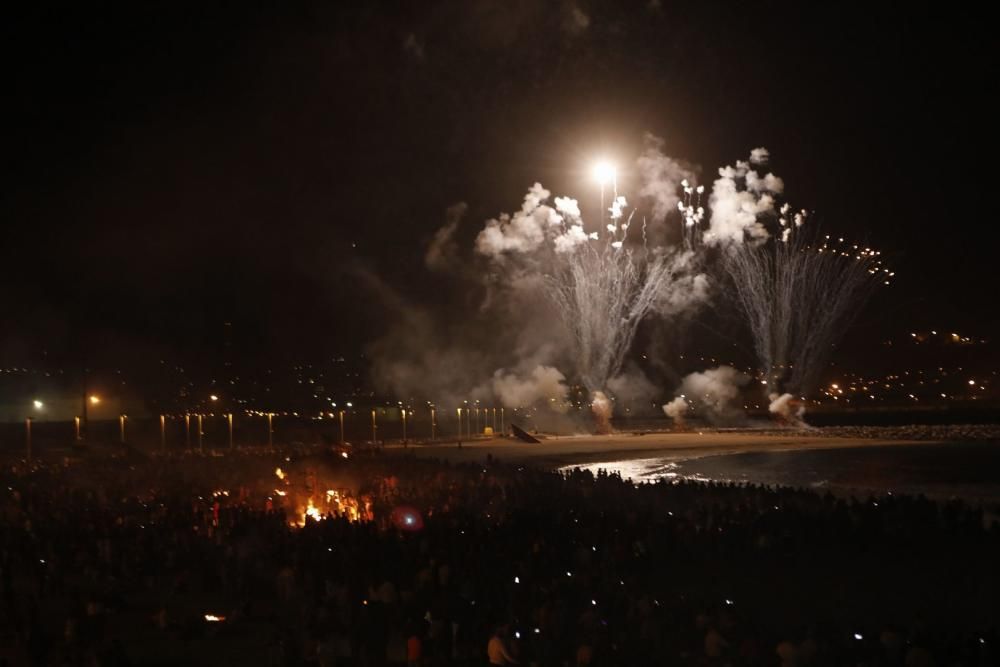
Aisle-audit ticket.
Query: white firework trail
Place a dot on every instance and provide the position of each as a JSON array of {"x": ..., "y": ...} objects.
[
  {"x": 798, "y": 291},
  {"x": 602, "y": 282}
]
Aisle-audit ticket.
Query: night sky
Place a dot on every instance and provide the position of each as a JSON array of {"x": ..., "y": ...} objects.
[{"x": 172, "y": 166}]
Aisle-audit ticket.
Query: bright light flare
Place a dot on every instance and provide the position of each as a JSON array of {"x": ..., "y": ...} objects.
[
  {"x": 604, "y": 172},
  {"x": 94, "y": 400},
  {"x": 39, "y": 405},
  {"x": 407, "y": 518}
]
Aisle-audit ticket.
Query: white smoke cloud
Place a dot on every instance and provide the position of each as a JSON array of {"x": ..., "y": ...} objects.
[
  {"x": 787, "y": 406},
  {"x": 570, "y": 239},
  {"x": 739, "y": 197},
  {"x": 568, "y": 207},
  {"x": 687, "y": 287},
  {"x": 660, "y": 178},
  {"x": 768, "y": 183},
  {"x": 544, "y": 384},
  {"x": 442, "y": 252},
  {"x": 677, "y": 409},
  {"x": 714, "y": 392},
  {"x": 522, "y": 232}
]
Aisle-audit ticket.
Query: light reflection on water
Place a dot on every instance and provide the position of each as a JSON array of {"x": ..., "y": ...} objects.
[
  {"x": 940, "y": 470},
  {"x": 639, "y": 470}
]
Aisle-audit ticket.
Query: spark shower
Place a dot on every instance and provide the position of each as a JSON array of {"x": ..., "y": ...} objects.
[{"x": 796, "y": 291}]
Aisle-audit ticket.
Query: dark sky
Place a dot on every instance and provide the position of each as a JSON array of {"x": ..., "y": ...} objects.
[{"x": 174, "y": 165}]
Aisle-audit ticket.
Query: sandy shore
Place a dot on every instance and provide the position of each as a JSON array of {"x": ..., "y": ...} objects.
[{"x": 557, "y": 451}]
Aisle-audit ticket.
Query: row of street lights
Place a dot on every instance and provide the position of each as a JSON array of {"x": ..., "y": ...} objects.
[{"x": 483, "y": 418}]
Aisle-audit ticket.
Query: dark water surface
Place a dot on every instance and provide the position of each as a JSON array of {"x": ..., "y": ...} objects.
[{"x": 964, "y": 470}]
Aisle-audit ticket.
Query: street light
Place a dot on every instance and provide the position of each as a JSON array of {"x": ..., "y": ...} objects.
[
  {"x": 604, "y": 172},
  {"x": 38, "y": 404}
]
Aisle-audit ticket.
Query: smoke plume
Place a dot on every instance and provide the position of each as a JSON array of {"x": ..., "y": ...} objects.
[
  {"x": 787, "y": 407},
  {"x": 660, "y": 178},
  {"x": 544, "y": 384},
  {"x": 522, "y": 232},
  {"x": 740, "y": 196},
  {"x": 676, "y": 410},
  {"x": 714, "y": 392},
  {"x": 442, "y": 253}
]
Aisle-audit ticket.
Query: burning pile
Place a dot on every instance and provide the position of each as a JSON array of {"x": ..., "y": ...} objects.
[{"x": 334, "y": 503}]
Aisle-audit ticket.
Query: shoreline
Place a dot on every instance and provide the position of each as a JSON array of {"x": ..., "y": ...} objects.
[
  {"x": 855, "y": 467},
  {"x": 560, "y": 451}
]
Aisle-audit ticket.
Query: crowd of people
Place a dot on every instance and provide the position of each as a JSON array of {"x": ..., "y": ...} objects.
[{"x": 188, "y": 560}]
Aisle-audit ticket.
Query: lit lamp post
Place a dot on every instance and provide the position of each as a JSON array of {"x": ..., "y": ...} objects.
[
  {"x": 433, "y": 424},
  {"x": 163, "y": 432},
  {"x": 27, "y": 429},
  {"x": 121, "y": 427},
  {"x": 187, "y": 431},
  {"x": 200, "y": 434},
  {"x": 84, "y": 423},
  {"x": 76, "y": 427},
  {"x": 229, "y": 419},
  {"x": 270, "y": 429},
  {"x": 402, "y": 412},
  {"x": 459, "y": 423},
  {"x": 340, "y": 417},
  {"x": 603, "y": 173},
  {"x": 501, "y": 421},
  {"x": 374, "y": 426}
]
